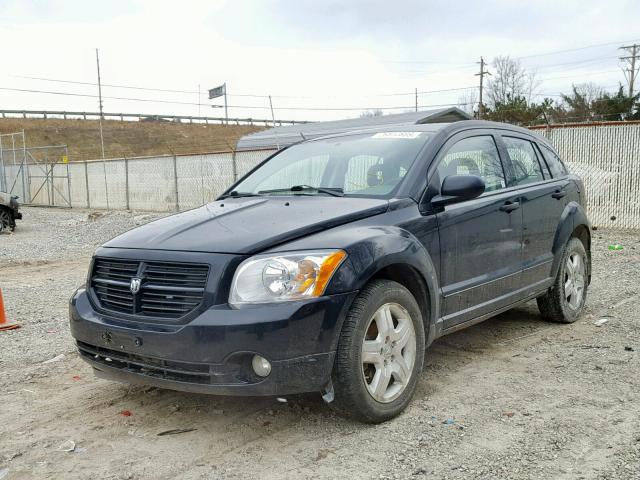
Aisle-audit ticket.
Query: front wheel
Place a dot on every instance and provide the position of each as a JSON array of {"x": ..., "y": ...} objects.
[
  {"x": 380, "y": 353},
  {"x": 564, "y": 301}
]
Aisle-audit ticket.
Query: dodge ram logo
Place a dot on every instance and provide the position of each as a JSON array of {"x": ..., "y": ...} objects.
[{"x": 135, "y": 285}]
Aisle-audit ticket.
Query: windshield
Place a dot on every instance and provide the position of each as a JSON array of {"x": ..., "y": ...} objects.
[{"x": 372, "y": 164}]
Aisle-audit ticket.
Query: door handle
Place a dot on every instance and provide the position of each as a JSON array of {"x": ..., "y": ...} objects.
[
  {"x": 558, "y": 194},
  {"x": 510, "y": 206}
]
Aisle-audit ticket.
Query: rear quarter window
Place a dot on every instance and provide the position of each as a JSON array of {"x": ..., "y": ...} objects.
[{"x": 556, "y": 166}]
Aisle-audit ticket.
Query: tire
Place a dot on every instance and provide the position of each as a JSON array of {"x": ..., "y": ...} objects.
[
  {"x": 6, "y": 219},
  {"x": 563, "y": 303},
  {"x": 398, "y": 362}
]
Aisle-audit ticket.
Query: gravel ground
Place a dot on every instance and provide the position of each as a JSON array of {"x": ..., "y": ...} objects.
[{"x": 513, "y": 397}]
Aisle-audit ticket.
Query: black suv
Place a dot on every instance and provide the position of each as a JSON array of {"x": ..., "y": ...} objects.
[{"x": 332, "y": 265}]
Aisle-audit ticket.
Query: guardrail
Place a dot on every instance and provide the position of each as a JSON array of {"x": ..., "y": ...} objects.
[{"x": 142, "y": 117}]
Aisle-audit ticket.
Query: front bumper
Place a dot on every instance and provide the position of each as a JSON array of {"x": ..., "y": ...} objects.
[{"x": 212, "y": 353}]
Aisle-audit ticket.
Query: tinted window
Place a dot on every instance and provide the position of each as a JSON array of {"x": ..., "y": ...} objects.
[
  {"x": 371, "y": 164},
  {"x": 543, "y": 164},
  {"x": 555, "y": 165},
  {"x": 474, "y": 156},
  {"x": 523, "y": 160}
]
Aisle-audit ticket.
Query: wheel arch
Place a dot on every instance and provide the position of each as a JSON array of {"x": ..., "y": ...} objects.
[
  {"x": 398, "y": 256},
  {"x": 412, "y": 280},
  {"x": 573, "y": 223}
]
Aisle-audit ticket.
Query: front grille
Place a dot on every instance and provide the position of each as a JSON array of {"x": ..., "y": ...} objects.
[
  {"x": 177, "y": 371},
  {"x": 164, "y": 290},
  {"x": 198, "y": 373}
]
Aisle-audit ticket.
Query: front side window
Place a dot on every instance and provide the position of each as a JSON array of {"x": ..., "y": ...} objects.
[
  {"x": 524, "y": 161},
  {"x": 555, "y": 164},
  {"x": 372, "y": 164},
  {"x": 474, "y": 156}
]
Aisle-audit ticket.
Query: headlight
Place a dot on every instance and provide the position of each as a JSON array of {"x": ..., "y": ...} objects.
[{"x": 284, "y": 277}]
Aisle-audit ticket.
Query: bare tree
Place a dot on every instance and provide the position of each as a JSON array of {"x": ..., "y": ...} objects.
[
  {"x": 581, "y": 100},
  {"x": 468, "y": 102},
  {"x": 510, "y": 80},
  {"x": 372, "y": 113}
]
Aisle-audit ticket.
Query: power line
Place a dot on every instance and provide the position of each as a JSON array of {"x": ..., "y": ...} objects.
[
  {"x": 77, "y": 82},
  {"x": 545, "y": 54},
  {"x": 590, "y": 60},
  {"x": 233, "y": 106},
  {"x": 583, "y": 75},
  {"x": 573, "y": 49}
]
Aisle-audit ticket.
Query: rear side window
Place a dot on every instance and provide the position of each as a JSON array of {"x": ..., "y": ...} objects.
[
  {"x": 553, "y": 161},
  {"x": 474, "y": 156},
  {"x": 524, "y": 161},
  {"x": 543, "y": 164}
]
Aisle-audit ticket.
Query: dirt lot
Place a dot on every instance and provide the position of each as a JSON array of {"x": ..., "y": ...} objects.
[
  {"x": 124, "y": 139},
  {"x": 514, "y": 397}
]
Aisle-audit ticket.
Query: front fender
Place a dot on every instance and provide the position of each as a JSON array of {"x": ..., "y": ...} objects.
[
  {"x": 381, "y": 247},
  {"x": 572, "y": 217}
]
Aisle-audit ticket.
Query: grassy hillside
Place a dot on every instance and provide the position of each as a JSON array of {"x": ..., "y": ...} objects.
[{"x": 130, "y": 139}]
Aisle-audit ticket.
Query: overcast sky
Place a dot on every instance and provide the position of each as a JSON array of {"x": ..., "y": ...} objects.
[{"x": 310, "y": 55}]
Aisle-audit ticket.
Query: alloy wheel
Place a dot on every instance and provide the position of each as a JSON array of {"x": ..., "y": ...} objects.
[
  {"x": 574, "y": 280},
  {"x": 388, "y": 352}
]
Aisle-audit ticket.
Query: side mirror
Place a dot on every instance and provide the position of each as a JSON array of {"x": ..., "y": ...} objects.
[{"x": 457, "y": 188}]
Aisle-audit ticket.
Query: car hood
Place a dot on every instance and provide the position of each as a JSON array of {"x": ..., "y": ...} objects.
[{"x": 247, "y": 225}]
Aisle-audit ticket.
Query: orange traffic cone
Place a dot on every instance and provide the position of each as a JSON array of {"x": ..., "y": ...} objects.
[{"x": 4, "y": 323}]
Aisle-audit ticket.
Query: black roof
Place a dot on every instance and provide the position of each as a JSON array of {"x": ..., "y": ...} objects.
[
  {"x": 283, "y": 136},
  {"x": 451, "y": 128}
]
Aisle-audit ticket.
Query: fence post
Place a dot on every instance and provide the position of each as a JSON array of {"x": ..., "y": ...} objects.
[
  {"x": 175, "y": 182},
  {"x": 86, "y": 183},
  {"x": 66, "y": 152},
  {"x": 126, "y": 182},
  {"x": 234, "y": 165}
]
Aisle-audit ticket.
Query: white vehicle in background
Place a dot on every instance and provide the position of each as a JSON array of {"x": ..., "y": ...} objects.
[{"x": 9, "y": 211}]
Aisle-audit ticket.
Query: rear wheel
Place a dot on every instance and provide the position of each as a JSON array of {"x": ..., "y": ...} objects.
[
  {"x": 380, "y": 353},
  {"x": 564, "y": 301}
]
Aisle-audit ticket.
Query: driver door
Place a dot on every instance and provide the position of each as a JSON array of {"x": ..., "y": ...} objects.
[{"x": 480, "y": 239}]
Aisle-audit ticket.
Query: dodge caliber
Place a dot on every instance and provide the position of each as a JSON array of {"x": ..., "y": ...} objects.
[{"x": 336, "y": 262}]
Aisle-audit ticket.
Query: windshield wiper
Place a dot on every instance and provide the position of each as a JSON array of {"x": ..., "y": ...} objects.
[
  {"x": 333, "y": 191},
  {"x": 236, "y": 194}
]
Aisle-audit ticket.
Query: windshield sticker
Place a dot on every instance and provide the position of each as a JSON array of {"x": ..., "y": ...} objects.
[{"x": 397, "y": 135}]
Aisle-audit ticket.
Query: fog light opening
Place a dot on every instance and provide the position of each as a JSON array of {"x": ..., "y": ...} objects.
[{"x": 261, "y": 366}]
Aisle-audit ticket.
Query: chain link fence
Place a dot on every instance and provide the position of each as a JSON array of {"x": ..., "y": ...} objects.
[
  {"x": 37, "y": 175},
  {"x": 164, "y": 183},
  {"x": 606, "y": 157}
]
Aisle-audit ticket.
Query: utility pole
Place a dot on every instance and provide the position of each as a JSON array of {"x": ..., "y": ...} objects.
[
  {"x": 100, "y": 101},
  {"x": 273, "y": 117},
  {"x": 632, "y": 62},
  {"x": 481, "y": 74},
  {"x": 104, "y": 165},
  {"x": 416, "y": 99}
]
